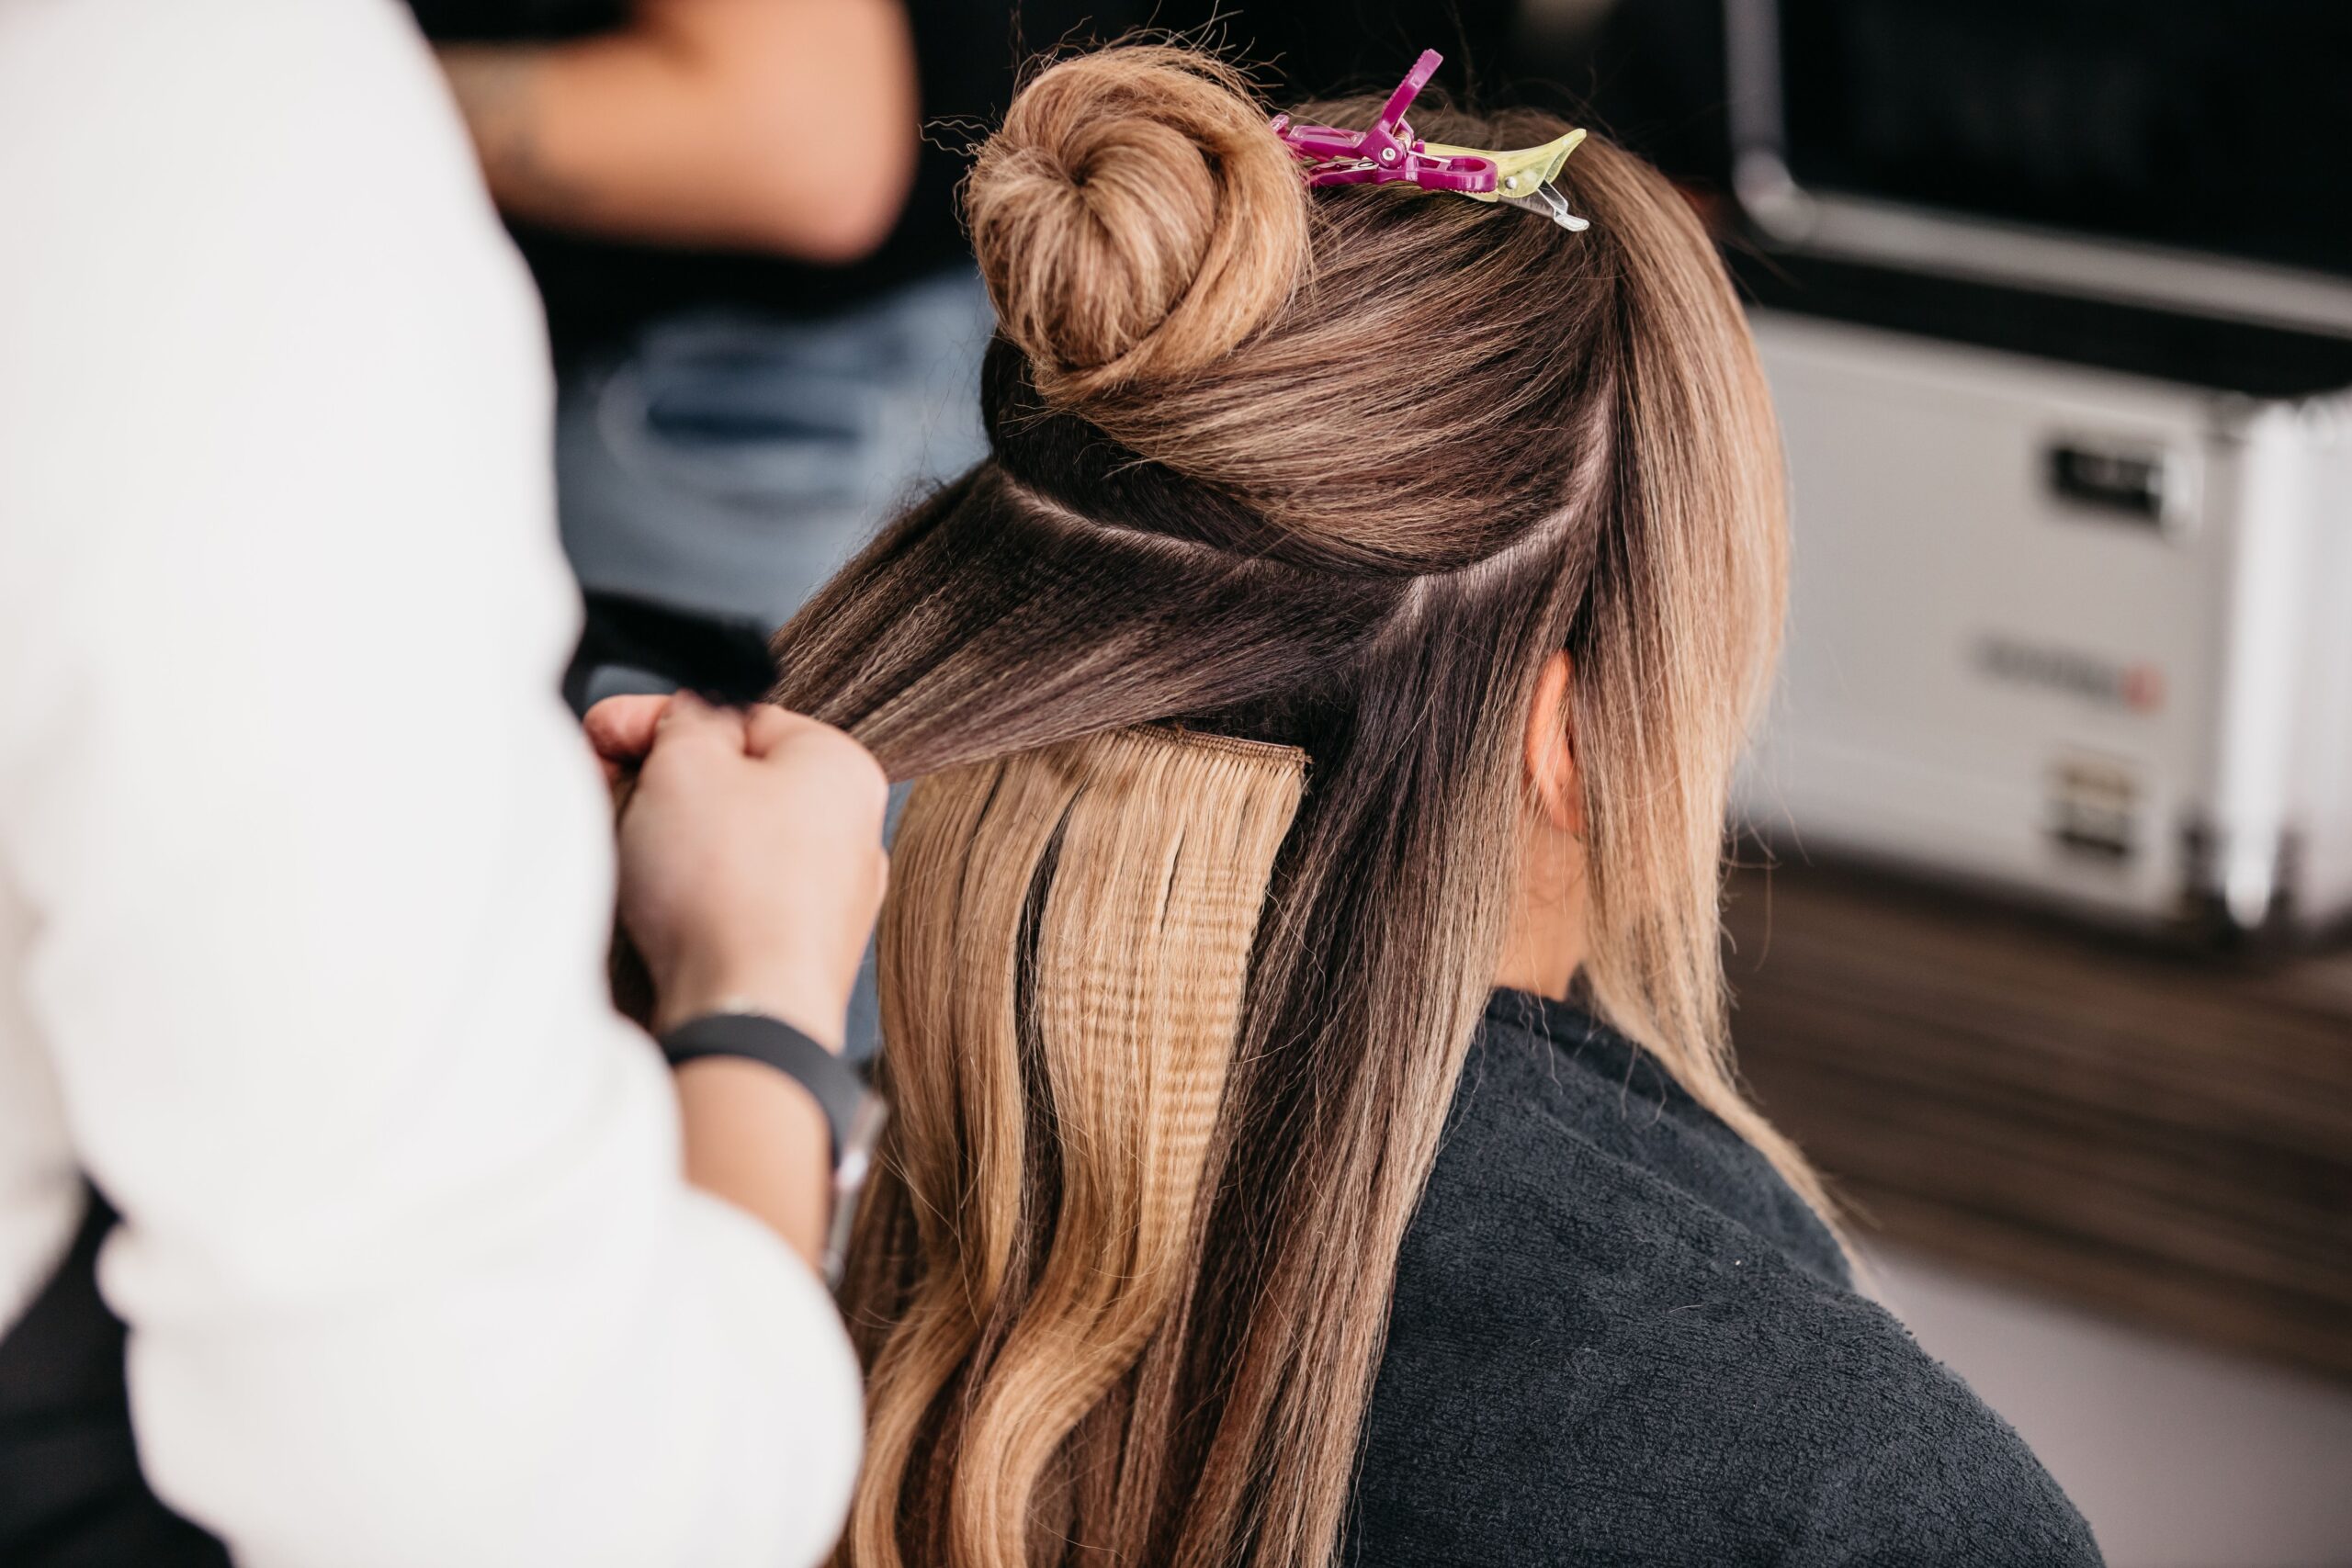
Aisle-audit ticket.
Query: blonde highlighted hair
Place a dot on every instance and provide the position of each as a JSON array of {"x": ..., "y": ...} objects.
[{"x": 1213, "y": 675}]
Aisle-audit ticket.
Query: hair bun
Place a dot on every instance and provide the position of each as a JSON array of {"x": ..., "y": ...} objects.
[{"x": 1134, "y": 218}]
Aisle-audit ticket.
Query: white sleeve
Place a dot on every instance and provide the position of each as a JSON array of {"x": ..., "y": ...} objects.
[{"x": 321, "y": 868}]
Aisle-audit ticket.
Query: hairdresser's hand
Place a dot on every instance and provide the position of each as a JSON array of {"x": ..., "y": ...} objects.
[{"x": 750, "y": 851}]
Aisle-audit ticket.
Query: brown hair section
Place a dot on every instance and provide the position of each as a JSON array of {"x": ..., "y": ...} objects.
[
  {"x": 1332, "y": 475},
  {"x": 1133, "y": 219}
]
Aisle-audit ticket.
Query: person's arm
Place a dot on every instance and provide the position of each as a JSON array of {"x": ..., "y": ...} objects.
[
  {"x": 777, "y": 125},
  {"x": 721, "y": 802},
  {"x": 321, "y": 868}
]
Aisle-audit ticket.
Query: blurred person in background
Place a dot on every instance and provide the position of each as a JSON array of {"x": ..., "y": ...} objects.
[
  {"x": 687, "y": 179},
  {"x": 306, "y": 879}
]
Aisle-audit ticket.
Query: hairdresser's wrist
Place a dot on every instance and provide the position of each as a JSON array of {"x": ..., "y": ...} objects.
[
  {"x": 815, "y": 1006},
  {"x": 759, "y": 1140}
]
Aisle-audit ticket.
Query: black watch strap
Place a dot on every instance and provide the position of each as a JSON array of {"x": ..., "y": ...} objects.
[{"x": 759, "y": 1038}]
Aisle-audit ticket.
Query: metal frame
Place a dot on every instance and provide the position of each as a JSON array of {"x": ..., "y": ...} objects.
[{"x": 1846, "y": 227}]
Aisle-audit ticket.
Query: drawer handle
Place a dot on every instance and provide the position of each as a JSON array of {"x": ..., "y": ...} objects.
[{"x": 2127, "y": 482}]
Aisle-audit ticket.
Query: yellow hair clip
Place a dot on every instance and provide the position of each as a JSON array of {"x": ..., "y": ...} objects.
[
  {"x": 1390, "y": 151},
  {"x": 1524, "y": 178}
]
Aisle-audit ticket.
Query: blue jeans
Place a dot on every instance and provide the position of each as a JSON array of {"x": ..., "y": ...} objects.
[{"x": 729, "y": 463}]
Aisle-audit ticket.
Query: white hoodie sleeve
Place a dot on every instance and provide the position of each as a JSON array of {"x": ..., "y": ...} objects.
[{"x": 319, "y": 868}]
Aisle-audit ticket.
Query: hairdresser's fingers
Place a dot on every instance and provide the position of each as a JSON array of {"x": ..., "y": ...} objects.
[
  {"x": 621, "y": 729},
  {"x": 852, "y": 784},
  {"x": 752, "y": 863},
  {"x": 767, "y": 728},
  {"x": 689, "y": 724}
]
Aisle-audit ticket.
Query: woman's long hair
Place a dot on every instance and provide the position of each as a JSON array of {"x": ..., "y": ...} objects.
[{"x": 1214, "y": 674}]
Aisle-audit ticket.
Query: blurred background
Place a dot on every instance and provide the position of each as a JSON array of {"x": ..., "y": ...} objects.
[{"x": 2039, "y": 938}]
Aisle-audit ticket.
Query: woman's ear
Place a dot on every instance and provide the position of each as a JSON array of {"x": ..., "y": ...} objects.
[{"x": 1551, "y": 756}]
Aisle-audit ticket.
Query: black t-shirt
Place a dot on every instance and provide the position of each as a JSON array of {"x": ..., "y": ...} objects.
[
  {"x": 969, "y": 55},
  {"x": 72, "y": 1495},
  {"x": 1618, "y": 1338}
]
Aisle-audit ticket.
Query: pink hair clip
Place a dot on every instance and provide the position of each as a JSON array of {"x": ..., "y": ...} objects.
[{"x": 1389, "y": 152}]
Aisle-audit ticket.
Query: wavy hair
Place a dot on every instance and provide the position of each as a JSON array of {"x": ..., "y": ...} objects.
[{"x": 1214, "y": 674}]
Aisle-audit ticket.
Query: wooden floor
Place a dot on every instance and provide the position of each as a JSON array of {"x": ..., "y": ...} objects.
[{"x": 2159, "y": 1133}]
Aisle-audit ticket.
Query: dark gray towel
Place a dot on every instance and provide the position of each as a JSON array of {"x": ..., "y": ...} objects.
[{"x": 1620, "y": 1338}]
